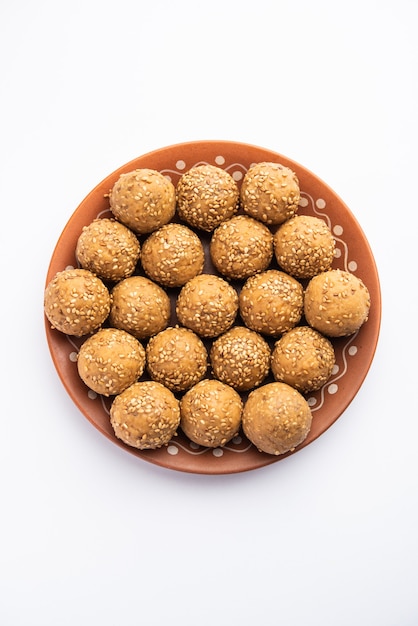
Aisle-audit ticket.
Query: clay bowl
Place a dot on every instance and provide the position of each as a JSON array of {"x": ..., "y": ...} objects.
[{"x": 354, "y": 354}]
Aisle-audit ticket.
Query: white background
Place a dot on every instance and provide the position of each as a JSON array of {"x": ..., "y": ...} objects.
[{"x": 92, "y": 535}]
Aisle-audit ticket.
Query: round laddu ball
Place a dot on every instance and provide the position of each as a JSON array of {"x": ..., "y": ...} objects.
[
  {"x": 240, "y": 358},
  {"x": 206, "y": 196},
  {"x": 271, "y": 302},
  {"x": 304, "y": 246},
  {"x": 303, "y": 358},
  {"x": 76, "y": 302},
  {"x": 139, "y": 306},
  {"x": 207, "y": 304},
  {"x": 110, "y": 360},
  {"x": 210, "y": 413},
  {"x": 276, "y": 418},
  {"x": 270, "y": 192},
  {"x": 143, "y": 200},
  {"x": 108, "y": 249},
  {"x": 172, "y": 255},
  {"x": 241, "y": 247},
  {"x": 336, "y": 303},
  {"x": 145, "y": 416},
  {"x": 177, "y": 358}
]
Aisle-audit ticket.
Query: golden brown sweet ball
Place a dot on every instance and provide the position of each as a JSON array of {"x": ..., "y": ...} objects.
[
  {"x": 270, "y": 192},
  {"x": 207, "y": 304},
  {"x": 143, "y": 200},
  {"x": 303, "y": 358},
  {"x": 145, "y": 416},
  {"x": 177, "y": 358},
  {"x": 210, "y": 413},
  {"x": 276, "y": 418},
  {"x": 337, "y": 303},
  {"x": 304, "y": 246},
  {"x": 108, "y": 249},
  {"x": 206, "y": 196},
  {"x": 76, "y": 302},
  {"x": 172, "y": 255},
  {"x": 271, "y": 302},
  {"x": 110, "y": 360},
  {"x": 240, "y": 358},
  {"x": 139, "y": 306},
  {"x": 241, "y": 247}
]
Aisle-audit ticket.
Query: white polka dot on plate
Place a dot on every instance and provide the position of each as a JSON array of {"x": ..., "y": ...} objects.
[
  {"x": 311, "y": 401},
  {"x": 173, "y": 450},
  {"x": 320, "y": 203},
  {"x": 217, "y": 452},
  {"x": 237, "y": 175},
  {"x": 73, "y": 357},
  {"x": 219, "y": 160},
  {"x": 91, "y": 394},
  {"x": 352, "y": 266},
  {"x": 332, "y": 389},
  {"x": 303, "y": 202},
  {"x": 352, "y": 350},
  {"x": 180, "y": 164},
  {"x": 338, "y": 230}
]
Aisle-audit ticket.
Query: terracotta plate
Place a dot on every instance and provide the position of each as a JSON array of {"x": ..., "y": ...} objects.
[{"x": 354, "y": 353}]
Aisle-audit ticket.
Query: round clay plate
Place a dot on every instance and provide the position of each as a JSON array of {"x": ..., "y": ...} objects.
[{"x": 354, "y": 354}]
